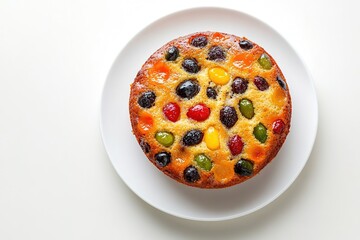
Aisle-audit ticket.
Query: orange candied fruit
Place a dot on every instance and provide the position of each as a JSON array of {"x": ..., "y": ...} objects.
[
  {"x": 279, "y": 97},
  {"x": 243, "y": 60},
  {"x": 223, "y": 171},
  {"x": 256, "y": 153},
  {"x": 145, "y": 122},
  {"x": 160, "y": 72},
  {"x": 218, "y": 36}
]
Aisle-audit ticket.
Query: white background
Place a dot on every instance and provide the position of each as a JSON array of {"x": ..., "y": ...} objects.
[{"x": 56, "y": 181}]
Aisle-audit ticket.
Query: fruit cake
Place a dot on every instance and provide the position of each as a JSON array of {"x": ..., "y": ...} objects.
[{"x": 210, "y": 109}]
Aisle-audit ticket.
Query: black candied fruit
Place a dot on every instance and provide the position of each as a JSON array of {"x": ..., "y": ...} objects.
[
  {"x": 147, "y": 99},
  {"x": 211, "y": 93},
  {"x": 145, "y": 146},
  {"x": 246, "y": 45},
  {"x": 191, "y": 174},
  {"x": 188, "y": 89},
  {"x": 172, "y": 54},
  {"x": 216, "y": 53},
  {"x": 199, "y": 41},
  {"x": 281, "y": 82},
  {"x": 244, "y": 167},
  {"x": 192, "y": 137},
  {"x": 162, "y": 159},
  {"x": 191, "y": 65},
  {"x": 228, "y": 116},
  {"x": 261, "y": 83},
  {"x": 239, "y": 85}
]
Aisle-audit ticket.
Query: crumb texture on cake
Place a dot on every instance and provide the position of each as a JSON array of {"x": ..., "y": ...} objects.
[{"x": 228, "y": 91}]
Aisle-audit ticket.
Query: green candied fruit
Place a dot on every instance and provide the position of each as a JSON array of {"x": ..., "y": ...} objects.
[
  {"x": 203, "y": 162},
  {"x": 165, "y": 138},
  {"x": 260, "y": 132},
  {"x": 246, "y": 108},
  {"x": 265, "y": 62}
]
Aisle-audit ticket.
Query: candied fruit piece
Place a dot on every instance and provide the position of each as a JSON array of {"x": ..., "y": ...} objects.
[
  {"x": 200, "y": 112},
  {"x": 260, "y": 133},
  {"x": 160, "y": 72},
  {"x": 162, "y": 159},
  {"x": 199, "y": 41},
  {"x": 239, "y": 85},
  {"x": 216, "y": 53},
  {"x": 188, "y": 89},
  {"x": 265, "y": 61},
  {"x": 211, "y": 93},
  {"x": 235, "y": 145},
  {"x": 219, "y": 75},
  {"x": 211, "y": 138},
  {"x": 191, "y": 65},
  {"x": 191, "y": 174},
  {"x": 246, "y": 108},
  {"x": 261, "y": 83},
  {"x": 203, "y": 162},
  {"x": 228, "y": 116},
  {"x": 165, "y": 138},
  {"x": 192, "y": 137},
  {"x": 172, "y": 54},
  {"x": 278, "y": 126},
  {"x": 244, "y": 167},
  {"x": 145, "y": 122},
  {"x": 172, "y": 111},
  {"x": 147, "y": 99},
  {"x": 246, "y": 45}
]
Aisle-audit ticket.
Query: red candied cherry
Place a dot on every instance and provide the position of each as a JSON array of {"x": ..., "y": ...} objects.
[
  {"x": 200, "y": 112},
  {"x": 172, "y": 111},
  {"x": 278, "y": 126},
  {"x": 235, "y": 145}
]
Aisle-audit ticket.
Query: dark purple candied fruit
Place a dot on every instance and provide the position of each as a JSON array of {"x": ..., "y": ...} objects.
[
  {"x": 246, "y": 45},
  {"x": 261, "y": 83},
  {"x": 191, "y": 65},
  {"x": 244, "y": 167},
  {"x": 239, "y": 85},
  {"x": 188, "y": 89},
  {"x": 162, "y": 159},
  {"x": 281, "y": 82},
  {"x": 191, "y": 174},
  {"x": 144, "y": 146},
  {"x": 216, "y": 53},
  {"x": 199, "y": 41},
  {"x": 192, "y": 137},
  {"x": 211, "y": 93},
  {"x": 228, "y": 116},
  {"x": 147, "y": 99},
  {"x": 172, "y": 54}
]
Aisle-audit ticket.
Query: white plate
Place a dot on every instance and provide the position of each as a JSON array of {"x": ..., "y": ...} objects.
[{"x": 161, "y": 191}]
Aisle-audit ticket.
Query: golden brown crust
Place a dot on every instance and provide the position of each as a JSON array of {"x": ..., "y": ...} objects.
[{"x": 270, "y": 105}]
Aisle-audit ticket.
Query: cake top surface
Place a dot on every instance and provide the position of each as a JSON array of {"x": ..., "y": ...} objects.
[{"x": 210, "y": 109}]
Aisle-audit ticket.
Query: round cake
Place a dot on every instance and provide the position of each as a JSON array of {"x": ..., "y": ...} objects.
[{"x": 210, "y": 109}]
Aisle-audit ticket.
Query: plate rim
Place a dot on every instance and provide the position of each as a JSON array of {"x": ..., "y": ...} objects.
[{"x": 235, "y": 11}]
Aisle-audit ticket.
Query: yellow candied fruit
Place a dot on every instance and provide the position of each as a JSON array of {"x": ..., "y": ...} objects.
[
  {"x": 219, "y": 75},
  {"x": 211, "y": 138}
]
